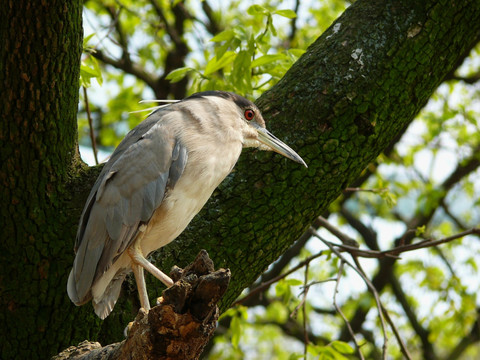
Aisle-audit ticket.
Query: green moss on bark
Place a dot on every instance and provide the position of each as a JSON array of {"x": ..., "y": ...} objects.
[{"x": 39, "y": 61}]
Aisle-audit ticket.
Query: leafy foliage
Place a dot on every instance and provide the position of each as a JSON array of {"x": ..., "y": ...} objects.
[{"x": 241, "y": 60}]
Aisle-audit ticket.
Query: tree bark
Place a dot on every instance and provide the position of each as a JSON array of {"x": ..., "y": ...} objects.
[
  {"x": 355, "y": 88},
  {"x": 39, "y": 76}
]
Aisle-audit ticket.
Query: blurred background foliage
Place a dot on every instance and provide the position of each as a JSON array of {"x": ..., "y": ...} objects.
[{"x": 424, "y": 185}]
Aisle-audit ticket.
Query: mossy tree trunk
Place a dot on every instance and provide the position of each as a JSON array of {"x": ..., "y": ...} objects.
[
  {"x": 39, "y": 77},
  {"x": 353, "y": 91}
]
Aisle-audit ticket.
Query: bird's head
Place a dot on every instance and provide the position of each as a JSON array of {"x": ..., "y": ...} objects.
[{"x": 252, "y": 125}]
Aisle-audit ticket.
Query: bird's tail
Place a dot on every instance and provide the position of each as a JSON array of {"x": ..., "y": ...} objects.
[
  {"x": 73, "y": 293},
  {"x": 104, "y": 305}
]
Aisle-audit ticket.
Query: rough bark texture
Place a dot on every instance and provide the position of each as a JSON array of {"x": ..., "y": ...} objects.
[
  {"x": 356, "y": 87},
  {"x": 177, "y": 328},
  {"x": 39, "y": 72}
]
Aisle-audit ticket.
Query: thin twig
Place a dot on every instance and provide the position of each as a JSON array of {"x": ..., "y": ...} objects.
[
  {"x": 394, "y": 252},
  {"x": 403, "y": 347},
  {"x": 266, "y": 284},
  {"x": 318, "y": 282},
  {"x": 304, "y": 311},
  {"x": 90, "y": 125},
  {"x": 357, "y": 189},
  {"x": 430, "y": 242},
  {"x": 344, "y": 238},
  {"x": 369, "y": 285},
  {"x": 294, "y": 313},
  {"x": 339, "y": 310}
]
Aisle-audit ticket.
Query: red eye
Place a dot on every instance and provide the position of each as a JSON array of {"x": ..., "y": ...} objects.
[{"x": 249, "y": 114}]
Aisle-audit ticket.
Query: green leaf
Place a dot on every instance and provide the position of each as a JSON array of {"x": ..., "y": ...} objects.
[
  {"x": 237, "y": 323},
  {"x": 257, "y": 9},
  {"x": 228, "y": 313},
  {"x": 263, "y": 42},
  {"x": 389, "y": 197},
  {"x": 296, "y": 52},
  {"x": 295, "y": 356},
  {"x": 235, "y": 328},
  {"x": 86, "y": 39},
  {"x": 293, "y": 282},
  {"x": 420, "y": 230},
  {"x": 313, "y": 349},
  {"x": 290, "y": 14},
  {"x": 271, "y": 26},
  {"x": 277, "y": 312},
  {"x": 89, "y": 69},
  {"x": 217, "y": 64},
  {"x": 342, "y": 347},
  {"x": 178, "y": 74},
  {"x": 266, "y": 59},
  {"x": 223, "y": 36},
  {"x": 328, "y": 254},
  {"x": 241, "y": 74},
  {"x": 282, "y": 289}
]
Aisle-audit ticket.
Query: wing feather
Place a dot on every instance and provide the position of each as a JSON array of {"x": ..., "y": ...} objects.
[{"x": 130, "y": 188}]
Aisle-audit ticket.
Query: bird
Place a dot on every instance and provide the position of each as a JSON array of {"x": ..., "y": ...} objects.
[{"x": 157, "y": 179}]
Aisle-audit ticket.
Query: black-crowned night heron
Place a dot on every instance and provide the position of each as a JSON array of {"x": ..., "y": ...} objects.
[{"x": 155, "y": 182}]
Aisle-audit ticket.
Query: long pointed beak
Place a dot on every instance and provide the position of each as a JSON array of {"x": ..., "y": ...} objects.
[{"x": 268, "y": 139}]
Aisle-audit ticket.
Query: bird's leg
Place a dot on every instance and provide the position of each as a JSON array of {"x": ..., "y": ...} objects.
[
  {"x": 138, "y": 259},
  {"x": 141, "y": 287}
]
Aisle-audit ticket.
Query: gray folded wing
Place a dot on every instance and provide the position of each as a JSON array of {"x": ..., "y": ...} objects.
[{"x": 129, "y": 189}]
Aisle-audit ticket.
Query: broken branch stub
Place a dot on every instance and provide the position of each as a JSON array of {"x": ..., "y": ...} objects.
[{"x": 179, "y": 326}]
